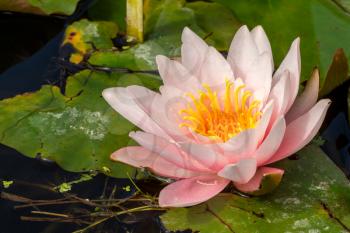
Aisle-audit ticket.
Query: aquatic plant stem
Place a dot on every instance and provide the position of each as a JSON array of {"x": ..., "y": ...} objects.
[{"x": 134, "y": 19}]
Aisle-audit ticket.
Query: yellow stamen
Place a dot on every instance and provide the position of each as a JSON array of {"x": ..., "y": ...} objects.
[{"x": 206, "y": 116}]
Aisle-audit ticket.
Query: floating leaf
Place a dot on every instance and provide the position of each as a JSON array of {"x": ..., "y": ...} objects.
[
  {"x": 314, "y": 196},
  {"x": 64, "y": 187},
  {"x": 337, "y": 74},
  {"x": 268, "y": 184},
  {"x": 65, "y": 7},
  {"x": 109, "y": 10},
  {"x": 7, "y": 183},
  {"x": 321, "y": 24},
  {"x": 163, "y": 24},
  {"x": 86, "y": 36},
  {"x": 67, "y": 186},
  {"x": 78, "y": 130}
]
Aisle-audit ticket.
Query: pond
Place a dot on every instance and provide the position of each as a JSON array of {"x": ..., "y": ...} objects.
[{"x": 116, "y": 116}]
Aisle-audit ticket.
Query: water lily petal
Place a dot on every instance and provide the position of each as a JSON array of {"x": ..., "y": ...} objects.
[
  {"x": 211, "y": 74},
  {"x": 300, "y": 131},
  {"x": 168, "y": 150},
  {"x": 262, "y": 42},
  {"x": 165, "y": 109},
  {"x": 205, "y": 154},
  {"x": 124, "y": 103},
  {"x": 240, "y": 172},
  {"x": 280, "y": 95},
  {"x": 307, "y": 99},
  {"x": 246, "y": 142},
  {"x": 243, "y": 52},
  {"x": 144, "y": 97},
  {"x": 193, "y": 51},
  {"x": 140, "y": 157},
  {"x": 175, "y": 74},
  {"x": 259, "y": 77},
  {"x": 191, "y": 191},
  {"x": 291, "y": 63},
  {"x": 255, "y": 183},
  {"x": 271, "y": 143}
]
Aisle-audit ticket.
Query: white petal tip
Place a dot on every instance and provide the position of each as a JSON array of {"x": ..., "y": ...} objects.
[
  {"x": 109, "y": 93},
  {"x": 187, "y": 33}
]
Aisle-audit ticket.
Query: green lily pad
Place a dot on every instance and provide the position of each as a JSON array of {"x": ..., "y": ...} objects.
[
  {"x": 78, "y": 130},
  {"x": 65, "y": 7},
  {"x": 321, "y": 24},
  {"x": 109, "y": 10},
  {"x": 314, "y": 196},
  {"x": 268, "y": 184},
  {"x": 164, "y": 22}
]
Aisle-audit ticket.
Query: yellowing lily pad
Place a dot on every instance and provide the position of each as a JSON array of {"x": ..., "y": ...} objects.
[
  {"x": 314, "y": 196},
  {"x": 86, "y": 36}
]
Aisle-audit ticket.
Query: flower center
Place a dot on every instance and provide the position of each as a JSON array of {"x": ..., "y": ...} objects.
[{"x": 221, "y": 117}]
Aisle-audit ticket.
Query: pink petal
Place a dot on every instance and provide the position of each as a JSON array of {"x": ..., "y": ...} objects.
[
  {"x": 164, "y": 110},
  {"x": 175, "y": 74},
  {"x": 243, "y": 52},
  {"x": 205, "y": 154},
  {"x": 215, "y": 70},
  {"x": 168, "y": 150},
  {"x": 300, "y": 131},
  {"x": 142, "y": 158},
  {"x": 254, "y": 183},
  {"x": 143, "y": 97},
  {"x": 246, "y": 142},
  {"x": 271, "y": 143},
  {"x": 240, "y": 172},
  {"x": 306, "y": 100},
  {"x": 193, "y": 51},
  {"x": 262, "y": 42},
  {"x": 291, "y": 63},
  {"x": 125, "y": 104},
  {"x": 191, "y": 191},
  {"x": 259, "y": 76},
  {"x": 280, "y": 94}
]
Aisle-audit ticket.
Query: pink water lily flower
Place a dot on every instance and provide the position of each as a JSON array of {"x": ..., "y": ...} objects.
[{"x": 218, "y": 120}]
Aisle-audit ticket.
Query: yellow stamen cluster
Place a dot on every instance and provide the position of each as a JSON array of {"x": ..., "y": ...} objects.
[{"x": 221, "y": 117}]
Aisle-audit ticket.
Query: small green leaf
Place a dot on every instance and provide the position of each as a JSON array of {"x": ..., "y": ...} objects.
[
  {"x": 318, "y": 141},
  {"x": 64, "y": 187},
  {"x": 127, "y": 188},
  {"x": 106, "y": 170},
  {"x": 7, "y": 183}
]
